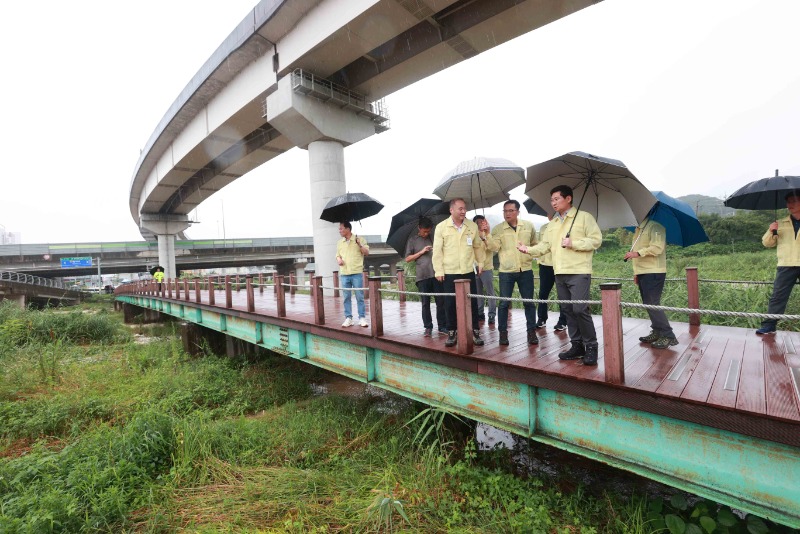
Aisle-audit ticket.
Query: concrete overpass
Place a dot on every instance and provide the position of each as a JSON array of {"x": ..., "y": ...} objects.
[
  {"x": 44, "y": 260},
  {"x": 27, "y": 290},
  {"x": 307, "y": 73}
]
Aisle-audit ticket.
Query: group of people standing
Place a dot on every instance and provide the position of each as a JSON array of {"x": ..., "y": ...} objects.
[{"x": 463, "y": 249}]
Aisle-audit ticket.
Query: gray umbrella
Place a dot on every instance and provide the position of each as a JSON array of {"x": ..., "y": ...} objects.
[
  {"x": 481, "y": 182},
  {"x": 603, "y": 187}
]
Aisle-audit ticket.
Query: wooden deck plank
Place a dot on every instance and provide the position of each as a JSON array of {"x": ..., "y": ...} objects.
[
  {"x": 726, "y": 382},
  {"x": 782, "y": 401},
  {"x": 680, "y": 374},
  {"x": 665, "y": 360},
  {"x": 751, "y": 395}
]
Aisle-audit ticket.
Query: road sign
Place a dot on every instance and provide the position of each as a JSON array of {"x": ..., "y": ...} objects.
[{"x": 85, "y": 261}]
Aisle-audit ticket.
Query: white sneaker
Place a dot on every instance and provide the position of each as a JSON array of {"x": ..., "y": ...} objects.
[
  {"x": 348, "y": 322},
  {"x": 363, "y": 322}
]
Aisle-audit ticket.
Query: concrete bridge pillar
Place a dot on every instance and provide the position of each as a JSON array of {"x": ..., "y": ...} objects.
[
  {"x": 166, "y": 227},
  {"x": 18, "y": 298},
  {"x": 297, "y": 109}
]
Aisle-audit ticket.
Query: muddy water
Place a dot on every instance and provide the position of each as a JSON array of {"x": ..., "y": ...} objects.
[{"x": 530, "y": 457}]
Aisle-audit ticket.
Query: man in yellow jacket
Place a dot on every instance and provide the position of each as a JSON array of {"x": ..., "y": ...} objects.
[
  {"x": 649, "y": 256},
  {"x": 457, "y": 247},
  {"x": 485, "y": 281},
  {"x": 515, "y": 266},
  {"x": 571, "y": 238},
  {"x": 350, "y": 252},
  {"x": 783, "y": 234}
]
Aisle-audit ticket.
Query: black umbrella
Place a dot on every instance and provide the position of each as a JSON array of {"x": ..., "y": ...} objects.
[
  {"x": 350, "y": 207},
  {"x": 155, "y": 269},
  {"x": 534, "y": 208},
  {"x": 764, "y": 194},
  {"x": 404, "y": 223}
]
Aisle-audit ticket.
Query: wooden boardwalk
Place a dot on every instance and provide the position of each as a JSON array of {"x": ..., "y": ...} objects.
[{"x": 723, "y": 377}]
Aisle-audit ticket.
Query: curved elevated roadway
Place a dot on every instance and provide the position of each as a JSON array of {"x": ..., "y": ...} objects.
[{"x": 217, "y": 129}]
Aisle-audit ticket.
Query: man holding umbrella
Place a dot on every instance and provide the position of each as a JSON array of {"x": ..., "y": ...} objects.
[
  {"x": 418, "y": 249},
  {"x": 350, "y": 252},
  {"x": 783, "y": 235},
  {"x": 571, "y": 238},
  {"x": 649, "y": 256},
  {"x": 456, "y": 248}
]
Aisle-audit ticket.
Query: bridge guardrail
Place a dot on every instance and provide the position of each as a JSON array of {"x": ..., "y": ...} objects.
[{"x": 30, "y": 279}]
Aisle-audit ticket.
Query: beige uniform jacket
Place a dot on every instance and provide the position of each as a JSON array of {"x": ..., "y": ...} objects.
[
  {"x": 504, "y": 240},
  {"x": 787, "y": 243},
  {"x": 544, "y": 259},
  {"x": 650, "y": 241},
  {"x": 456, "y": 251},
  {"x": 586, "y": 238},
  {"x": 350, "y": 253}
]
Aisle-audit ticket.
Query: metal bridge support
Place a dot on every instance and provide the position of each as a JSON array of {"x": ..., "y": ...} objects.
[
  {"x": 324, "y": 129},
  {"x": 166, "y": 227}
]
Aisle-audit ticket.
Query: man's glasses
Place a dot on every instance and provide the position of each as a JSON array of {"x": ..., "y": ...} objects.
[{"x": 509, "y": 211}]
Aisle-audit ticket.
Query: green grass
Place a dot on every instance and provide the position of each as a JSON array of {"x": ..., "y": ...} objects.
[{"x": 113, "y": 436}]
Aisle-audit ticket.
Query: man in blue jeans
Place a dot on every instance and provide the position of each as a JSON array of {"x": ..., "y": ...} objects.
[
  {"x": 350, "y": 252},
  {"x": 515, "y": 266}
]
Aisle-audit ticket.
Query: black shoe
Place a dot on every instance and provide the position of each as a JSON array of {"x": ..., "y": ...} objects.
[
  {"x": 451, "y": 338},
  {"x": 476, "y": 338},
  {"x": 481, "y": 318},
  {"x": 532, "y": 338},
  {"x": 504, "y": 337},
  {"x": 575, "y": 352},
  {"x": 491, "y": 318},
  {"x": 590, "y": 358},
  {"x": 649, "y": 338},
  {"x": 766, "y": 330},
  {"x": 428, "y": 332},
  {"x": 442, "y": 330},
  {"x": 541, "y": 324},
  {"x": 664, "y": 342},
  {"x": 559, "y": 327}
]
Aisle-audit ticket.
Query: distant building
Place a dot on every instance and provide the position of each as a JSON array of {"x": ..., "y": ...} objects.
[{"x": 9, "y": 238}]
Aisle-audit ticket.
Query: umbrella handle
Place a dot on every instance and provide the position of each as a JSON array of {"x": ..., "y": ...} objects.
[{"x": 567, "y": 236}]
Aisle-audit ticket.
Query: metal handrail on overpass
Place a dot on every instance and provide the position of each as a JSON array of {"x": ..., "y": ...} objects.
[{"x": 30, "y": 279}]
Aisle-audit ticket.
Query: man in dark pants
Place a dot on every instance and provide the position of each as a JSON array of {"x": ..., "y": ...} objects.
[
  {"x": 572, "y": 245},
  {"x": 457, "y": 252},
  {"x": 418, "y": 250},
  {"x": 783, "y": 234},
  {"x": 649, "y": 256}
]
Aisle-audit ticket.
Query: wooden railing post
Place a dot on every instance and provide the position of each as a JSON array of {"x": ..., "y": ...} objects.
[
  {"x": 280, "y": 295},
  {"x": 316, "y": 295},
  {"x": 211, "y": 291},
  {"x": 169, "y": 287},
  {"x": 228, "y": 294},
  {"x": 177, "y": 289},
  {"x": 186, "y": 289},
  {"x": 401, "y": 284},
  {"x": 375, "y": 307},
  {"x": 693, "y": 290},
  {"x": 251, "y": 299},
  {"x": 465, "y": 343},
  {"x": 292, "y": 282},
  {"x": 197, "y": 298},
  {"x": 613, "y": 361},
  {"x": 261, "y": 283},
  {"x": 365, "y": 283},
  {"x": 336, "y": 284}
]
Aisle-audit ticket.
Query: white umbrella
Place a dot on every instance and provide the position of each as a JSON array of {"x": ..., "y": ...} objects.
[
  {"x": 603, "y": 187},
  {"x": 481, "y": 182}
]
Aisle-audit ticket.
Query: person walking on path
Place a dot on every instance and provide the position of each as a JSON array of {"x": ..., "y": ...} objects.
[
  {"x": 158, "y": 276},
  {"x": 515, "y": 266},
  {"x": 649, "y": 256},
  {"x": 350, "y": 252},
  {"x": 783, "y": 235},
  {"x": 571, "y": 238},
  {"x": 485, "y": 282},
  {"x": 457, "y": 246},
  {"x": 547, "y": 279},
  {"x": 419, "y": 250}
]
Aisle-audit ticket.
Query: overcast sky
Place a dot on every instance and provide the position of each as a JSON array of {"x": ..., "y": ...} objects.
[{"x": 694, "y": 96}]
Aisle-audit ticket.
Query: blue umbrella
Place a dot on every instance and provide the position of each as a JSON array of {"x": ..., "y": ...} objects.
[{"x": 679, "y": 220}]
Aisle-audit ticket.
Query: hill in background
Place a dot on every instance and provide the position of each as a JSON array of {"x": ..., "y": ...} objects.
[{"x": 704, "y": 205}]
